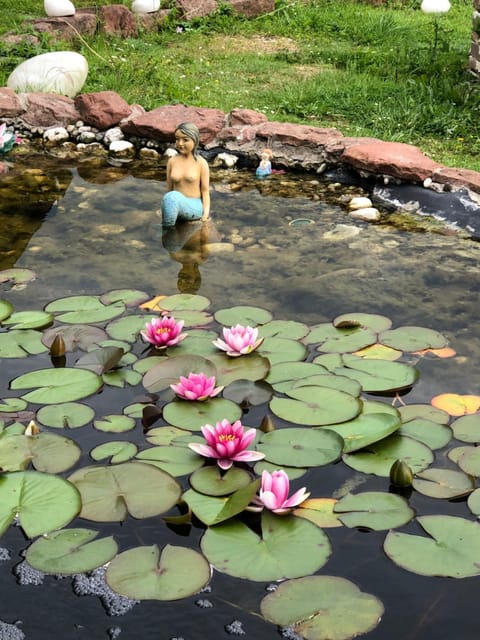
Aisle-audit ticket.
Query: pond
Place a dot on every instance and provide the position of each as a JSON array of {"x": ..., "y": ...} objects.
[{"x": 287, "y": 245}]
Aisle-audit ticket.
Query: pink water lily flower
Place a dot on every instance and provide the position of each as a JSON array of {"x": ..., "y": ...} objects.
[
  {"x": 238, "y": 340},
  {"x": 274, "y": 493},
  {"x": 196, "y": 387},
  {"x": 164, "y": 332},
  {"x": 227, "y": 443}
]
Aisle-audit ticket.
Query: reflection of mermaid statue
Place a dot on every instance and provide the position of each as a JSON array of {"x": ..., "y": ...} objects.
[{"x": 189, "y": 243}]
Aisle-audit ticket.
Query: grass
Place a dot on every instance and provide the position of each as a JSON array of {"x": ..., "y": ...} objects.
[{"x": 388, "y": 72}]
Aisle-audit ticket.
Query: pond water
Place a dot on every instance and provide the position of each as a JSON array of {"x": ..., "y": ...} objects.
[{"x": 87, "y": 228}]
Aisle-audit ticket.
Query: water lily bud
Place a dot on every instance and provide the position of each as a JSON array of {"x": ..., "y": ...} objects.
[
  {"x": 267, "y": 425},
  {"x": 57, "y": 347},
  {"x": 32, "y": 429},
  {"x": 400, "y": 474}
]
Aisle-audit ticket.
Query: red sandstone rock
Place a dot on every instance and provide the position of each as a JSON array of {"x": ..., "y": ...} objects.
[
  {"x": 49, "y": 110},
  {"x": 115, "y": 19},
  {"x": 103, "y": 110},
  {"x": 395, "y": 159},
  {"x": 241, "y": 135},
  {"x": 297, "y": 134},
  {"x": 160, "y": 123},
  {"x": 252, "y": 8},
  {"x": 190, "y": 9},
  {"x": 10, "y": 104},
  {"x": 458, "y": 178},
  {"x": 242, "y": 117},
  {"x": 84, "y": 22},
  {"x": 152, "y": 21}
]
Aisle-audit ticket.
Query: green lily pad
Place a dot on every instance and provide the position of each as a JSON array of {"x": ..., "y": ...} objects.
[
  {"x": 84, "y": 309},
  {"x": 288, "y": 547},
  {"x": 100, "y": 360},
  {"x": 443, "y": 483},
  {"x": 412, "y": 339},
  {"x": 169, "y": 370},
  {"x": 469, "y": 461},
  {"x": 118, "y": 451},
  {"x": 425, "y": 412},
  {"x": 244, "y": 315},
  {"x": 42, "y": 501},
  {"x": 374, "y": 510},
  {"x": 115, "y": 424},
  {"x": 70, "y": 551},
  {"x": 365, "y": 429},
  {"x": 45, "y": 451},
  {"x": 20, "y": 343},
  {"x": 314, "y": 607},
  {"x": 212, "y": 510},
  {"x": 128, "y": 328},
  {"x": 434, "y": 435},
  {"x": 451, "y": 551},
  {"x": 211, "y": 481},
  {"x": 249, "y": 367},
  {"x": 176, "y": 461},
  {"x": 12, "y": 405},
  {"x": 368, "y": 320},
  {"x": 283, "y": 350},
  {"x": 195, "y": 346},
  {"x": 129, "y": 297},
  {"x": 145, "y": 573},
  {"x": 6, "y": 309},
  {"x": 67, "y": 415},
  {"x": 109, "y": 494},
  {"x": 145, "y": 364},
  {"x": 122, "y": 377},
  {"x": 283, "y": 375},
  {"x": 379, "y": 457},
  {"x": 333, "y": 340},
  {"x": 193, "y": 415},
  {"x": 290, "y": 329},
  {"x": 341, "y": 383},
  {"x": 17, "y": 275},
  {"x": 378, "y": 376},
  {"x": 78, "y": 336},
  {"x": 28, "y": 320},
  {"x": 292, "y": 472},
  {"x": 164, "y": 435},
  {"x": 181, "y": 301},
  {"x": 473, "y": 502},
  {"x": 301, "y": 447},
  {"x": 248, "y": 393},
  {"x": 192, "y": 318},
  {"x": 316, "y": 406},
  {"x": 52, "y": 386},
  {"x": 467, "y": 428}
]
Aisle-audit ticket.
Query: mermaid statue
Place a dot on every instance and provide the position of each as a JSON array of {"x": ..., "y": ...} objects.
[{"x": 265, "y": 166}]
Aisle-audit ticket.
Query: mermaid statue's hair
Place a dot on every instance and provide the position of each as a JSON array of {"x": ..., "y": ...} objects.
[{"x": 191, "y": 131}]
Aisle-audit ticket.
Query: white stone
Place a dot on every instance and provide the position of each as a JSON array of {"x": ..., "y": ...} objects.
[
  {"x": 225, "y": 160},
  {"x": 113, "y": 135},
  {"x": 169, "y": 153},
  {"x": 57, "y": 8},
  {"x": 435, "y": 6},
  {"x": 61, "y": 72},
  {"x": 369, "y": 214},
  {"x": 359, "y": 202},
  {"x": 145, "y": 6},
  {"x": 121, "y": 150},
  {"x": 427, "y": 183},
  {"x": 56, "y": 135}
]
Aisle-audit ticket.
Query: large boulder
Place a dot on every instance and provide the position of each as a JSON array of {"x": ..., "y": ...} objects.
[
  {"x": 61, "y": 72},
  {"x": 49, "y": 110},
  {"x": 117, "y": 20},
  {"x": 190, "y": 9},
  {"x": 103, "y": 109}
]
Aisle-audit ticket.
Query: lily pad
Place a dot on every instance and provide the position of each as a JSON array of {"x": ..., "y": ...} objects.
[
  {"x": 287, "y": 547},
  {"x": 128, "y": 328},
  {"x": 84, "y": 309},
  {"x": 177, "y": 461},
  {"x": 365, "y": 429},
  {"x": 467, "y": 428},
  {"x": 211, "y": 481},
  {"x": 67, "y": 415},
  {"x": 469, "y": 461},
  {"x": 20, "y": 343},
  {"x": 117, "y": 450},
  {"x": 248, "y": 393},
  {"x": 474, "y": 502},
  {"x": 333, "y": 340},
  {"x": 79, "y": 336},
  {"x": 12, "y": 405},
  {"x": 146, "y": 573},
  {"x": 425, "y": 412},
  {"x": 181, "y": 301},
  {"x": 6, "y": 309},
  {"x": 164, "y": 435},
  {"x": 412, "y": 338},
  {"x": 301, "y": 447},
  {"x": 250, "y": 367},
  {"x": 100, "y": 360},
  {"x": 109, "y": 494},
  {"x": 169, "y": 370},
  {"x": 283, "y": 375},
  {"x": 192, "y": 318},
  {"x": 244, "y": 315},
  {"x": 379, "y": 457},
  {"x": 42, "y": 501},
  {"x": 290, "y": 329},
  {"x": 52, "y": 386},
  {"x": 374, "y": 510},
  {"x": 443, "y": 483},
  {"x": 115, "y": 424},
  {"x": 193, "y": 415},
  {"x": 121, "y": 377},
  {"x": 70, "y": 551},
  {"x": 129, "y": 297},
  {"x": 45, "y": 451},
  {"x": 319, "y": 511},
  {"x": 314, "y": 607},
  {"x": 434, "y": 435},
  {"x": 377, "y": 376},
  {"x": 212, "y": 509},
  {"x": 28, "y": 320},
  {"x": 17, "y": 275},
  {"x": 451, "y": 551},
  {"x": 368, "y": 320},
  {"x": 283, "y": 350},
  {"x": 316, "y": 406}
]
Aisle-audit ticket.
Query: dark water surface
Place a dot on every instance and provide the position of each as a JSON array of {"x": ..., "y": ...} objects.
[{"x": 87, "y": 228}]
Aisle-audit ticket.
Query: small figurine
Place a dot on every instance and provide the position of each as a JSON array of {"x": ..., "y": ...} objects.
[{"x": 265, "y": 166}]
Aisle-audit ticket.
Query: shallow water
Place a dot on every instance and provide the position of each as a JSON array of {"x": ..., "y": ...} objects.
[{"x": 91, "y": 228}]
